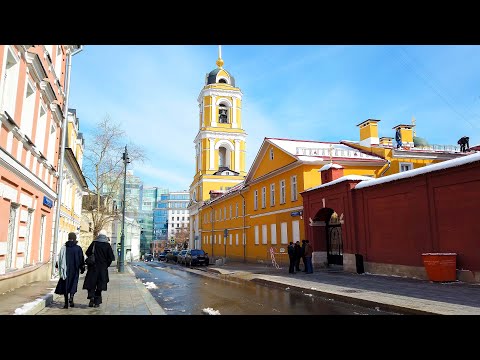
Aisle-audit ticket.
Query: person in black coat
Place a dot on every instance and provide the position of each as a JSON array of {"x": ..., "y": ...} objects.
[
  {"x": 70, "y": 263},
  {"x": 291, "y": 256},
  {"x": 97, "y": 275},
  {"x": 303, "y": 255},
  {"x": 298, "y": 255}
]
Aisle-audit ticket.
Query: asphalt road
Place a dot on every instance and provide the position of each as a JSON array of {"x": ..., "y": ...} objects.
[{"x": 184, "y": 291}]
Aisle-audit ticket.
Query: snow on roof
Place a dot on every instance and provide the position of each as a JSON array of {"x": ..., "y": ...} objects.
[
  {"x": 423, "y": 170},
  {"x": 343, "y": 178},
  {"x": 330, "y": 165},
  {"x": 225, "y": 192},
  {"x": 315, "y": 150}
]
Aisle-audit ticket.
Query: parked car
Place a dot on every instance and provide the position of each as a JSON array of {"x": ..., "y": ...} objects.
[
  {"x": 163, "y": 255},
  {"x": 181, "y": 257},
  {"x": 148, "y": 257},
  {"x": 196, "y": 257},
  {"x": 172, "y": 256}
]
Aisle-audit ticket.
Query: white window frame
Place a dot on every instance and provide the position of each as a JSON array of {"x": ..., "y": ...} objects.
[
  {"x": 236, "y": 239},
  {"x": 28, "y": 109},
  {"x": 264, "y": 197},
  {"x": 236, "y": 210},
  {"x": 40, "y": 129},
  {"x": 9, "y": 82},
  {"x": 264, "y": 234},
  {"x": 273, "y": 233},
  {"x": 271, "y": 154},
  {"x": 295, "y": 231},
  {"x": 283, "y": 233},
  {"x": 294, "y": 188},
  {"x": 58, "y": 62},
  {"x": 407, "y": 164},
  {"x": 255, "y": 200},
  {"x": 283, "y": 197},
  {"x": 272, "y": 194},
  {"x": 52, "y": 140},
  {"x": 230, "y": 211},
  {"x": 231, "y": 239},
  {"x": 256, "y": 235}
]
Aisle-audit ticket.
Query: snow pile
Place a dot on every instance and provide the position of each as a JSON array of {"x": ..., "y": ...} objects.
[
  {"x": 150, "y": 285},
  {"x": 27, "y": 307},
  {"x": 210, "y": 311}
]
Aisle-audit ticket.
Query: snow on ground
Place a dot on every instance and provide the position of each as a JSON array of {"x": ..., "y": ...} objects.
[
  {"x": 28, "y": 306},
  {"x": 150, "y": 285},
  {"x": 210, "y": 311}
]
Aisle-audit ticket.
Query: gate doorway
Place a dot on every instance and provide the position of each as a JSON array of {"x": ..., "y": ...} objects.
[{"x": 334, "y": 240}]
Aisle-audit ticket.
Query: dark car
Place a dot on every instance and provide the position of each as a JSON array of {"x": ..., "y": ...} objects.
[
  {"x": 148, "y": 257},
  {"x": 163, "y": 255},
  {"x": 196, "y": 257},
  {"x": 181, "y": 257},
  {"x": 172, "y": 256}
]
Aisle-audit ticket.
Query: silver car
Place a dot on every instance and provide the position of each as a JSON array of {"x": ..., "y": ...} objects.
[{"x": 181, "y": 257}]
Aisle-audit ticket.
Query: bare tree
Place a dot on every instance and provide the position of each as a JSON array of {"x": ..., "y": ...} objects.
[
  {"x": 181, "y": 238},
  {"x": 103, "y": 169}
]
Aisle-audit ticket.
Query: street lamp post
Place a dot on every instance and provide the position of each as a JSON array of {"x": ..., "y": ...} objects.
[{"x": 121, "y": 263}]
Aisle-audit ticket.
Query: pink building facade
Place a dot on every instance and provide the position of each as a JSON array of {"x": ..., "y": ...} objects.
[{"x": 32, "y": 96}]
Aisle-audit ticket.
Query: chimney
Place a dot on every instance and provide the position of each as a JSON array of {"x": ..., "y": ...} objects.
[
  {"x": 386, "y": 141},
  {"x": 406, "y": 133},
  {"x": 369, "y": 132},
  {"x": 215, "y": 193},
  {"x": 330, "y": 172}
]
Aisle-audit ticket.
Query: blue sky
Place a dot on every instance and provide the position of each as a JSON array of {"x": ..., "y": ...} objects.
[{"x": 312, "y": 92}]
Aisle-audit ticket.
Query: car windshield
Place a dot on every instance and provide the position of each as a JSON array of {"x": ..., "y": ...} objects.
[{"x": 198, "y": 252}]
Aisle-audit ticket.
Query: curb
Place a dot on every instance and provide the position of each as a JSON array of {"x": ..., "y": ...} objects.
[
  {"x": 41, "y": 303},
  {"x": 152, "y": 305}
]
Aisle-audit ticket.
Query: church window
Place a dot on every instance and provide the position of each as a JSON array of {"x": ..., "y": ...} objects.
[
  {"x": 222, "y": 81},
  {"x": 223, "y": 114},
  {"x": 222, "y": 153}
]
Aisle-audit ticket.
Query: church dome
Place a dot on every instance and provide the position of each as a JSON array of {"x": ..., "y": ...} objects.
[
  {"x": 214, "y": 78},
  {"x": 419, "y": 142}
]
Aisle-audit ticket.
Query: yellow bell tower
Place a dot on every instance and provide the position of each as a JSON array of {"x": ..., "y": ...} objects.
[{"x": 220, "y": 145}]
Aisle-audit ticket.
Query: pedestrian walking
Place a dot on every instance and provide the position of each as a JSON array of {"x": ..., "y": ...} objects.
[
  {"x": 70, "y": 263},
  {"x": 291, "y": 256},
  {"x": 308, "y": 257},
  {"x": 298, "y": 255},
  {"x": 97, "y": 279}
]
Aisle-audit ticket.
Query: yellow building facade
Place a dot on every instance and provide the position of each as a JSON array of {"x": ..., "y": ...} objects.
[
  {"x": 255, "y": 215},
  {"x": 73, "y": 183}
]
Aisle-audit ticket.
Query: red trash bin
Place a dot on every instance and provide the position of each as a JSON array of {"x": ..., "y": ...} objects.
[{"x": 440, "y": 266}]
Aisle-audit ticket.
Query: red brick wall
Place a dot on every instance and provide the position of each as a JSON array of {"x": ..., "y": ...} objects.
[{"x": 395, "y": 222}]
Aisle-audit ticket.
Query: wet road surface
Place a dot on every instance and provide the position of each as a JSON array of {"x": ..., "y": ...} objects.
[{"x": 184, "y": 291}]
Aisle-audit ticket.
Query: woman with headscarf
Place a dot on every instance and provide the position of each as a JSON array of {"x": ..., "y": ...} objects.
[
  {"x": 97, "y": 274},
  {"x": 70, "y": 263}
]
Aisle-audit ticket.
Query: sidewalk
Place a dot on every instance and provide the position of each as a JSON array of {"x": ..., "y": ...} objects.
[
  {"x": 126, "y": 295},
  {"x": 389, "y": 293}
]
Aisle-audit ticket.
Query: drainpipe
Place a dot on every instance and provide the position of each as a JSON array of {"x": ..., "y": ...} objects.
[
  {"x": 388, "y": 167},
  {"x": 62, "y": 155},
  {"x": 244, "y": 240},
  {"x": 213, "y": 222}
]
